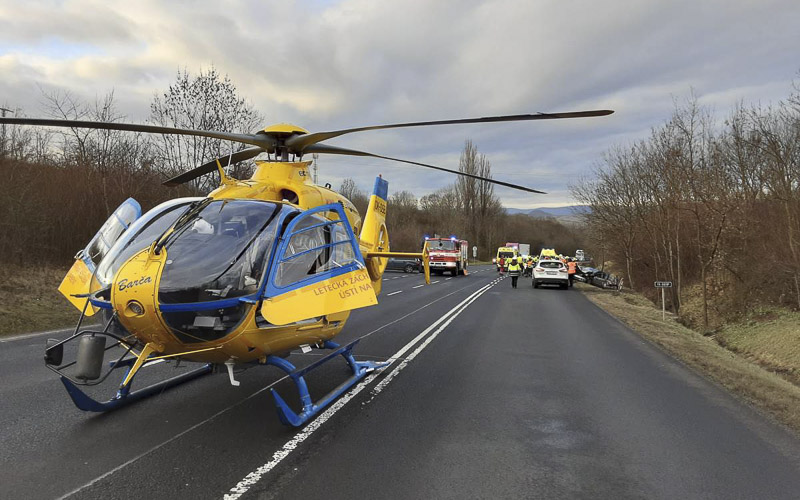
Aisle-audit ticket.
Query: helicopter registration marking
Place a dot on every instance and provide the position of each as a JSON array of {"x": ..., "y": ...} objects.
[{"x": 380, "y": 206}]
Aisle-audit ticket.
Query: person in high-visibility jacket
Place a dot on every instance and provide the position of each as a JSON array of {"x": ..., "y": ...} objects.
[
  {"x": 514, "y": 270},
  {"x": 572, "y": 268}
]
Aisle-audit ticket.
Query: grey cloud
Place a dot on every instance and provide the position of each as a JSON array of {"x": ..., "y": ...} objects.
[
  {"x": 360, "y": 62},
  {"x": 72, "y": 22}
]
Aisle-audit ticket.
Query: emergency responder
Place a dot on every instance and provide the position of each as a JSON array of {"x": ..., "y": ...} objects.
[
  {"x": 572, "y": 268},
  {"x": 514, "y": 270},
  {"x": 501, "y": 263}
]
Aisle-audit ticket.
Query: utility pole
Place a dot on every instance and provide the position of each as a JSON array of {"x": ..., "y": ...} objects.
[
  {"x": 3, "y": 143},
  {"x": 314, "y": 166}
]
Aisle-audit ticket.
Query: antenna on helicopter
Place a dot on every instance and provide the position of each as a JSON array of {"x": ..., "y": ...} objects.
[{"x": 314, "y": 166}]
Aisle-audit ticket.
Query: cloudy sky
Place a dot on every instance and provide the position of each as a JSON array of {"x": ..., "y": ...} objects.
[{"x": 328, "y": 64}]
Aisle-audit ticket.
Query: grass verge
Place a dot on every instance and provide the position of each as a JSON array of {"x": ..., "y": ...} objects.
[
  {"x": 30, "y": 301},
  {"x": 760, "y": 387},
  {"x": 769, "y": 337}
]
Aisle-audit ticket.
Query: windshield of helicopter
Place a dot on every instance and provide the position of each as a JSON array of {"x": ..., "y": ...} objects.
[
  {"x": 220, "y": 251},
  {"x": 442, "y": 245},
  {"x": 141, "y": 235}
]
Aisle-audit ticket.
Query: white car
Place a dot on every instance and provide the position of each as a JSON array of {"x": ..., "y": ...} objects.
[{"x": 551, "y": 272}]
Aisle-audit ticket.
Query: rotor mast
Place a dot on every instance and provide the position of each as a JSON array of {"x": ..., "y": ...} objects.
[{"x": 281, "y": 132}]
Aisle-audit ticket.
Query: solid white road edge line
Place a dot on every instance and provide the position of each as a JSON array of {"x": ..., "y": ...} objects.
[{"x": 254, "y": 477}]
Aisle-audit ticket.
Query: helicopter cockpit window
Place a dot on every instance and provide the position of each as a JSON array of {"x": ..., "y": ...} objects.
[
  {"x": 221, "y": 252},
  {"x": 316, "y": 245},
  {"x": 142, "y": 234}
]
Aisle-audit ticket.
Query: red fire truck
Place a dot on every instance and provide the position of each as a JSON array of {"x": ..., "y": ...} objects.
[{"x": 448, "y": 254}]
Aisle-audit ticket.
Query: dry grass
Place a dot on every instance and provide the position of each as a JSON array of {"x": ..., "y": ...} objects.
[
  {"x": 30, "y": 302},
  {"x": 769, "y": 337},
  {"x": 762, "y": 388}
]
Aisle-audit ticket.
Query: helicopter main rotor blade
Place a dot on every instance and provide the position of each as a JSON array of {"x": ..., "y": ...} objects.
[
  {"x": 261, "y": 140},
  {"x": 211, "y": 166},
  {"x": 325, "y": 149},
  {"x": 299, "y": 144}
]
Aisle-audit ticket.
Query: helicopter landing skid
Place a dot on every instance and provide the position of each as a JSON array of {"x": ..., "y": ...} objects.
[
  {"x": 124, "y": 395},
  {"x": 360, "y": 370}
]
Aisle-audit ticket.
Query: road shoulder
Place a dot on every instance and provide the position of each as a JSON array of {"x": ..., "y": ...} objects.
[{"x": 759, "y": 387}]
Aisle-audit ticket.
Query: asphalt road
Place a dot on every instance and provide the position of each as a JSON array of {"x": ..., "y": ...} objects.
[{"x": 496, "y": 393}]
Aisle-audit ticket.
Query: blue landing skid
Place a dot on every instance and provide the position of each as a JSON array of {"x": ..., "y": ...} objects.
[
  {"x": 124, "y": 396},
  {"x": 360, "y": 370}
]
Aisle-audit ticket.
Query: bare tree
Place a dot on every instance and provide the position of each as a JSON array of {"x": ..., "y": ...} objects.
[
  {"x": 208, "y": 101},
  {"x": 482, "y": 211},
  {"x": 350, "y": 190}
]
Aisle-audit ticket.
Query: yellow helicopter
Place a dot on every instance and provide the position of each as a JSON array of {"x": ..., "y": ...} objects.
[{"x": 258, "y": 268}]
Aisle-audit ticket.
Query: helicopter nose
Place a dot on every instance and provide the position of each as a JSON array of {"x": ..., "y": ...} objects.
[{"x": 133, "y": 296}]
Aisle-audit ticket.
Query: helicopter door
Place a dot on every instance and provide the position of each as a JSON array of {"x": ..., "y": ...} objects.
[
  {"x": 79, "y": 278},
  {"x": 317, "y": 269}
]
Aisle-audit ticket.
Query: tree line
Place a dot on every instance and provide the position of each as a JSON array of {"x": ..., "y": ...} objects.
[
  {"x": 468, "y": 209},
  {"x": 711, "y": 205}
]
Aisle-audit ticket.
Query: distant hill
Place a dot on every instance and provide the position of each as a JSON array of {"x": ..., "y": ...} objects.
[{"x": 571, "y": 213}]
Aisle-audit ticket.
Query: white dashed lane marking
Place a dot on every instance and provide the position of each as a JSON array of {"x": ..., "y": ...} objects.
[{"x": 394, "y": 293}]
